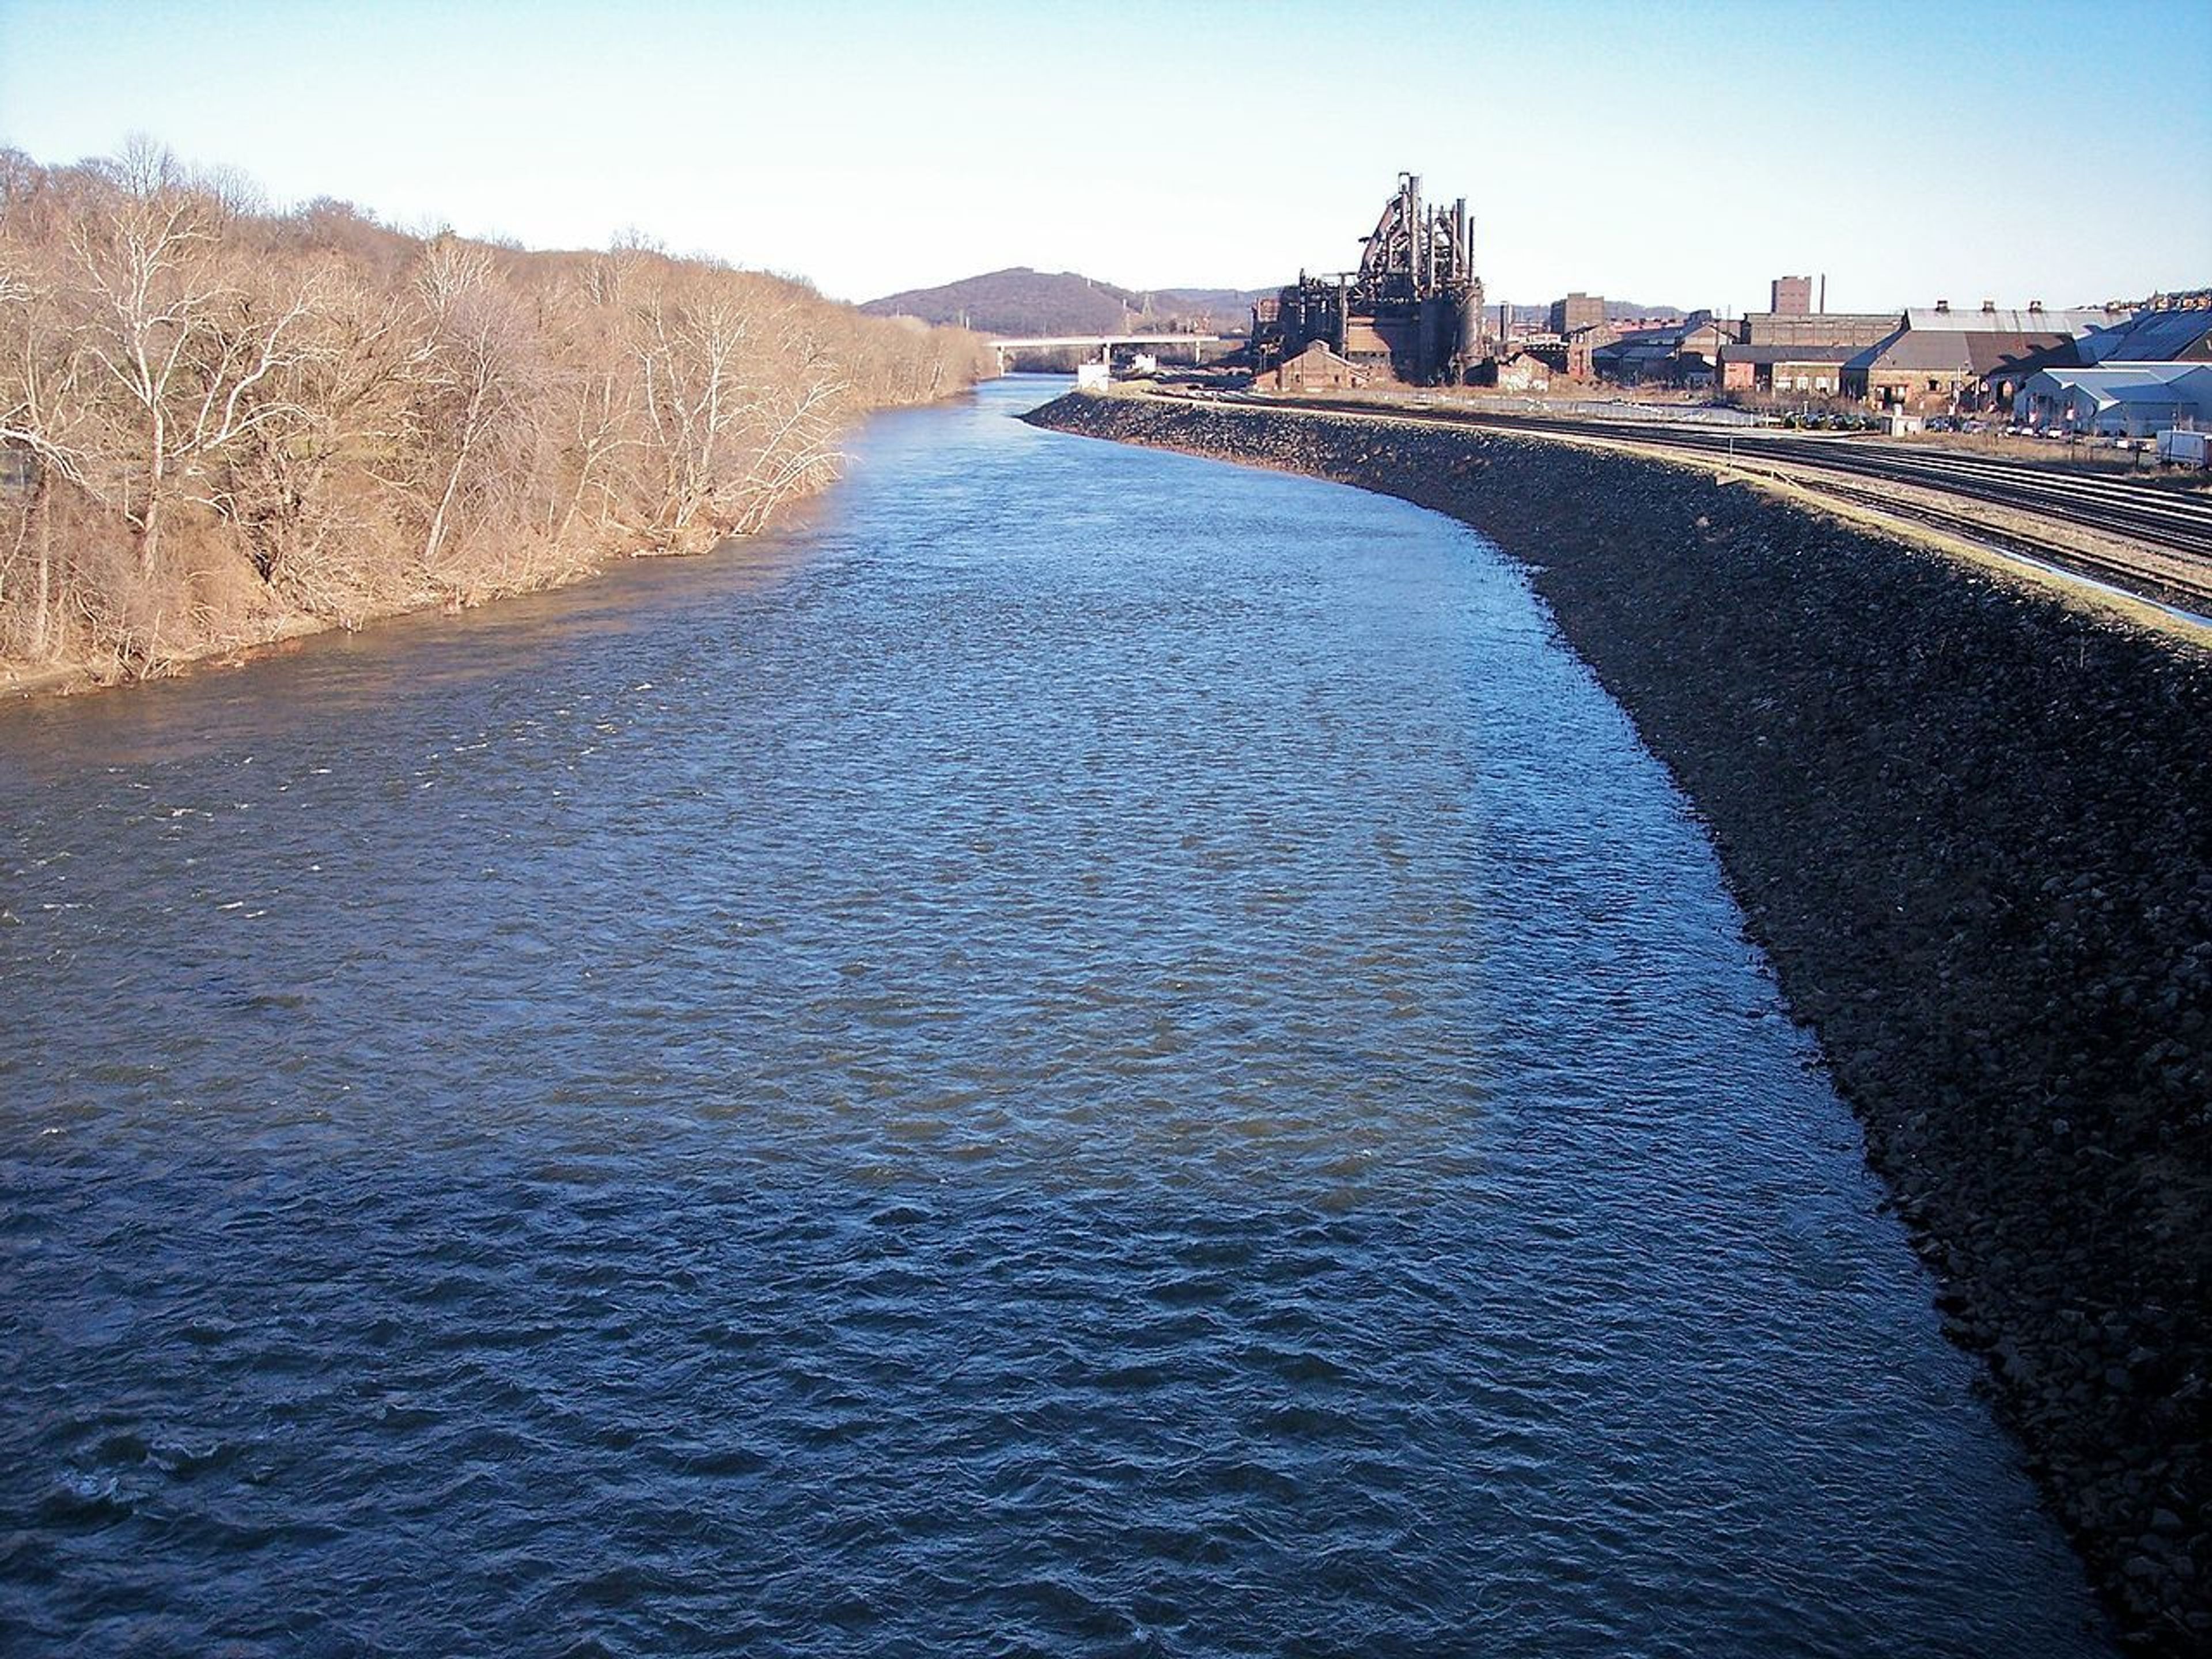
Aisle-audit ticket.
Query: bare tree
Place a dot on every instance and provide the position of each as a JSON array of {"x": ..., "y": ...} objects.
[
  {"x": 469, "y": 376},
  {"x": 187, "y": 351},
  {"x": 214, "y": 420}
]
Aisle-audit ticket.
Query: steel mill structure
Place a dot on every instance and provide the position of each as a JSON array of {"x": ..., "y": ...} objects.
[{"x": 1414, "y": 310}]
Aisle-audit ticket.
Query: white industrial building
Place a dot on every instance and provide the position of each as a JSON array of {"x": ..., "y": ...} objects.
[{"x": 2120, "y": 400}]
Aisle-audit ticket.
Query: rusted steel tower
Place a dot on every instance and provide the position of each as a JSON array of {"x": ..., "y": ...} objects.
[{"x": 1413, "y": 309}]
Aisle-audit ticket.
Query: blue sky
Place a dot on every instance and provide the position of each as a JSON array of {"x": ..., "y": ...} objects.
[{"x": 1682, "y": 154}]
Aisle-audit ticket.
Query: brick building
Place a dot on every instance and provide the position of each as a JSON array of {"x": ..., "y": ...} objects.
[
  {"x": 1792, "y": 297},
  {"x": 1578, "y": 312},
  {"x": 1784, "y": 371},
  {"x": 1942, "y": 359},
  {"x": 1819, "y": 328},
  {"x": 1316, "y": 369}
]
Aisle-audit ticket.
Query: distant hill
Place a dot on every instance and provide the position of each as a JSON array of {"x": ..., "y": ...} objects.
[
  {"x": 1231, "y": 308},
  {"x": 1021, "y": 302}
]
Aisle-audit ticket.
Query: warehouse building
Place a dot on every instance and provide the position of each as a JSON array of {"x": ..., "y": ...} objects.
[
  {"x": 1820, "y": 328},
  {"x": 2182, "y": 335},
  {"x": 1687, "y": 353},
  {"x": 1941, "y": 358},
  {"x": 1784, "y": 371},
  {"x": 2117, "y": 400},
  {"x": 1523, "y": 371},
  {"x": 1315, "y": 369},
  {"x": 2153, "y": 336}
]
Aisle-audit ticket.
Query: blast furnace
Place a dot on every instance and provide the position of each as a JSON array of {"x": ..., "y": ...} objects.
[{"x": 1414, "y": 310}]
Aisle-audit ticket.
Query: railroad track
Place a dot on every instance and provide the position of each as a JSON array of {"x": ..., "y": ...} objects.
[
  {"x": 2172, "y": 579},
  {"x": 2168, "y": 556}
]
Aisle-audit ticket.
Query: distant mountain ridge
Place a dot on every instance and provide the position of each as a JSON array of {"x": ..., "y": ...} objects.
[{"x": 1020, "y": 301}]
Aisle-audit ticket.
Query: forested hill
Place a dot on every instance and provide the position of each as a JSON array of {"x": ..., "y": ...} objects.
[{"x": 1023, "y": 302}]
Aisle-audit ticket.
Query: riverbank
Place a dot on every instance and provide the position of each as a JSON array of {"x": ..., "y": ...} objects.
[
  {"x": 283, "y": 630},
  {"x": 278, "y": 627},
  {"x": 73, "y": 676},
  {"x": 1969, "y": 819},
  {"x": 348, "y": 420}
]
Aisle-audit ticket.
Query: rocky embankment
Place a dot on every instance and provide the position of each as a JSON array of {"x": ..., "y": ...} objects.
[{"x": 1969, "y": 820}]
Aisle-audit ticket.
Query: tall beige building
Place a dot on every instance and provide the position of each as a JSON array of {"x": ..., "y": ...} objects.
[{"x": 1578, "y": 311}]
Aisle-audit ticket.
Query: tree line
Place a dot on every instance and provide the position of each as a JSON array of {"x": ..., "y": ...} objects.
[{"x": 218, "y": 421}]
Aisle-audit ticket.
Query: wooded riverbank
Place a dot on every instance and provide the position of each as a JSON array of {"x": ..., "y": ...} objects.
[
  {"x": 1970, "y": 821},
  {"x": 222, "y": 425}
]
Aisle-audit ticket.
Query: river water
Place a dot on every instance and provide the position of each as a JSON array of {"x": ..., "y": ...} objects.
[{"x": 1085, "y": 1052}]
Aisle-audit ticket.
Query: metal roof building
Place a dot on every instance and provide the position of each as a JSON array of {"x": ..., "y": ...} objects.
[
  {"x": 2156, "y": 337},
  {"x": 2124, "y": 400},
  {"x": 1990, "y": 319},
  {"x": 1972, "y": 351},
  {"x": 1945, "y": 356}
]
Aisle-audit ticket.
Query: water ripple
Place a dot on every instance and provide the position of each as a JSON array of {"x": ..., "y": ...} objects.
[{"x": 1088, "y": 1053}]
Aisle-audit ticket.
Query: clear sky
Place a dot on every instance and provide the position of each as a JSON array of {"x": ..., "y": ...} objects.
[{"x": 1679, "y": 154}]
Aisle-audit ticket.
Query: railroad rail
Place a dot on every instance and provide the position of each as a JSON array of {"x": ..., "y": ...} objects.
[{"x": 2164, "y": 537}]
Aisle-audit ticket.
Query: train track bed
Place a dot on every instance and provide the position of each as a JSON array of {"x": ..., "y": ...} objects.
[
  {"x": 2140, "y": 539},
  {"x": 2180, "y": 581}
]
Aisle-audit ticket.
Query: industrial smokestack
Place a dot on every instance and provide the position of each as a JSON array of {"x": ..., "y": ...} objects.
[
  {"x": 1414, "y": 227},
  {"x": 1824, "y": 294}
]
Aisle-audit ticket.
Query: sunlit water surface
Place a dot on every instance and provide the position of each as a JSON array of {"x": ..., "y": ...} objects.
[{"x": 1085, "y": 1053}]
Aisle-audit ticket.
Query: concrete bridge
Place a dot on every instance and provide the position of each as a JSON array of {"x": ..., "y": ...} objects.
[{"x": 1101, "y": 343}]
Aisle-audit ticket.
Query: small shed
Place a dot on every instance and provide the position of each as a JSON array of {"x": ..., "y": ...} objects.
[
  {"x": 1524, "y": 372},
  {"x": 1318, "y": 369}
]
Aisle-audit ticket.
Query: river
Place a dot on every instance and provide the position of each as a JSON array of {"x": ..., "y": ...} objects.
[{"x": 1083, "y": 1051}]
